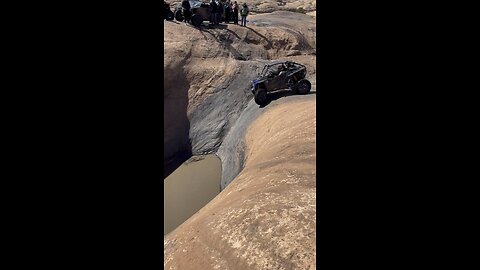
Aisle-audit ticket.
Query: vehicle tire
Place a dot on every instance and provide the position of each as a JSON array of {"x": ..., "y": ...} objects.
[
  {"x": 260, "y": 96},
  {"x": 169, "y": 16},
  {"x": 197, "y": 20},
  {"x": 179, "y": 16},
  {"x": 303, "y": 87}
]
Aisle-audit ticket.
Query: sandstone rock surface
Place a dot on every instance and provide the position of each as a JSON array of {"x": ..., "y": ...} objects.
[
  {"x": 265, "y": 216},
  {"x": 208, "y": 72},
  {"x": 265, "y": 219}
]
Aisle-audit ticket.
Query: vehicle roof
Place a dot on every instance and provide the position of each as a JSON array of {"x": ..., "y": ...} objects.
[
  {"x": 275, "y": 63},
  {"x": 194, "y": 3},
  {"x": 281, "y": 62}
]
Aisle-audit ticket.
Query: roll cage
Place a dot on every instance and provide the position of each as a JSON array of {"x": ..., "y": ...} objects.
[{"x": 291, "y": 66}]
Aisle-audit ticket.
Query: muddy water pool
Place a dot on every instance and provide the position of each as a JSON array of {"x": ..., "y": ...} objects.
[{"x": 189, "y": 188}]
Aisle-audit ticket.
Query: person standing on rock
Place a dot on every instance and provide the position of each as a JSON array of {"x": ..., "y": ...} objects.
[
  {"x": 187, "y": 13},
  {"x": 244, "y": 13},
  {"x": 235, "y": 12},
  {"x": 219, "y": 12},
  {"x": 228, "y": 8},
  {"x": 213, "y": 10}
]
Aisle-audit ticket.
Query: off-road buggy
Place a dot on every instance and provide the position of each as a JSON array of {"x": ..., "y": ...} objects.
[
  {"x": 200, "y": 12},
  {"x": 280, "y": 75},
  {"x": 167, "y": 13}
]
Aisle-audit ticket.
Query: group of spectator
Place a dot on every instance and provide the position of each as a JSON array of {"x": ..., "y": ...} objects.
[
  {"x": 220, "y": 9},
  {"x": 228, "y": 11}
]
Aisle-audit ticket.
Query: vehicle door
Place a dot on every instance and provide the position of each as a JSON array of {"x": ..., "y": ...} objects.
[{"x": 278, "y": 81}]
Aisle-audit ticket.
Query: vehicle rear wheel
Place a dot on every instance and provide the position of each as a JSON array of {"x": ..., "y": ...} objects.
[
  {"x": 179, "y": 16},
  {"x": 303, "y": 87},
  {"x": 197, "y": 20},
  {"x": 169, "y": 16},
  {"x": 260, "y": 96}
]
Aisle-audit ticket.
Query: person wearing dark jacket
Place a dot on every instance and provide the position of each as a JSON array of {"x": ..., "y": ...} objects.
[
  {"x": 187, "y": 13},
  {"x": 228, "y": 11},
  {"x": 219, "y": 12},
  {"x": 213, "y": 10},
  {"x": 235, "y": 12}
]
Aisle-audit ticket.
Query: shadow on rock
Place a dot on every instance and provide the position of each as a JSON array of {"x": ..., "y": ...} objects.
[
  {"x": 269, "y": 43},
  {"x": 172, "y": 22},
  {"x": 223, "y": 40},
  {"x": 283, "y": 93},
  {"x": 176, "y": 126}
]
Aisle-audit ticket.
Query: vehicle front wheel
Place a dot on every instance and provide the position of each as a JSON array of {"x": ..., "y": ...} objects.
[
  {"x": 303, "y": 87},
  {"x": 260, "y": 96},
  {"x": 179, "y": 16}
]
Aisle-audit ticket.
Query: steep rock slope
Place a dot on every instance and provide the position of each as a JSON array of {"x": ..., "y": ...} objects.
[
  {"x": 265, "y": 219},
  {"x": 207, "y": 74}
]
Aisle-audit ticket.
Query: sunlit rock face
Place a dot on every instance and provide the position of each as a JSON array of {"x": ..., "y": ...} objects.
[{"x": 265, "y": 216}]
